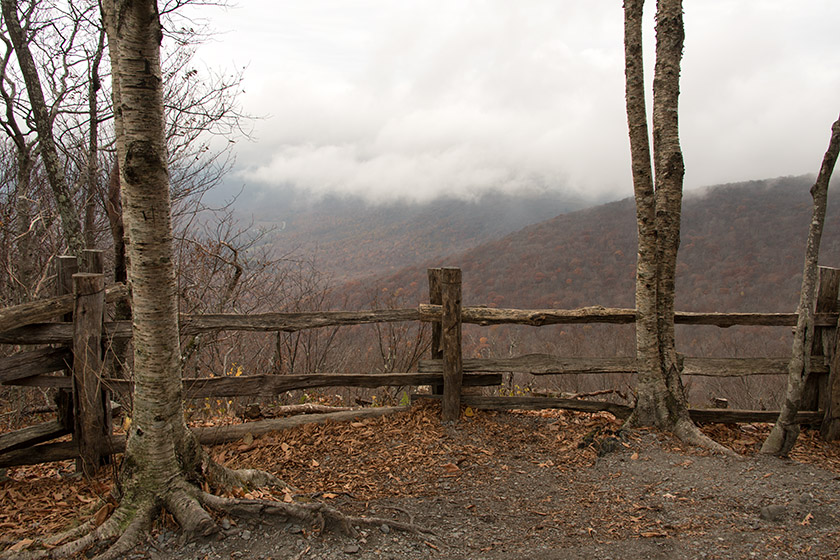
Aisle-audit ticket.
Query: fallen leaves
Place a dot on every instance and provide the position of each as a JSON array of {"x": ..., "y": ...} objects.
[
  {"x": 21, "y": 545},
  {"x": 404, "y": 455},
  {"x": 33, "y": 506},
  {"x": 102, "y": 514},
  {"x": 652, "y": 534}
]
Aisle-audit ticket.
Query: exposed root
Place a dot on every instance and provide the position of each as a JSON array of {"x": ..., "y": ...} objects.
[
  {"x": 125, "y": 524},
  {"x": 401, "y": 510},
  {"x": 781, "y": 440},
  {"x": 319, "y": 514},
  {"x": 688, "y": 432},
  {"x": 194, "y": 520},
  {"x": 71, "y": 534},
  {"x": 224, "y": 477},
  {"x": 139, "y": 525}
]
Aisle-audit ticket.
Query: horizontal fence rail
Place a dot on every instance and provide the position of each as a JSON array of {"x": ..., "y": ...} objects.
[
  {"x": 291, "y": 322},
  {"x": 623, "y": 411},
  {"x": 546, "y": 364},
  {"x": 486, "y": 316},
  {"x": 447, "y": 372},
  {"x": 271, "y": 385}
]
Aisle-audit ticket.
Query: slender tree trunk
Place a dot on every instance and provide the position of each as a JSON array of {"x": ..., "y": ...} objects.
[
  {"x": 43, "y": 124},
  {"x": 661, "y": 397},
  {"x": 159, "y": 446},
  {"x": 784, "y": 433},
  {"x": 92, "y": 170},
  {"x": 650, "y": 381},
  {"x": 27, "y": 246}
]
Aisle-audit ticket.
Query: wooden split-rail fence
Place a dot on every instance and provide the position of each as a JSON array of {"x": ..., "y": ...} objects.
[{"x": 75, "y": 357}]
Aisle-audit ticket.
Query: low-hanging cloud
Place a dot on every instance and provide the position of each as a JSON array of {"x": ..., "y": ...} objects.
[{"x": 411, "y": 100}]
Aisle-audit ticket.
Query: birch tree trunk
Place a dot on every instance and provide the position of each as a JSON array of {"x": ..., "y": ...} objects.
[
  {"x": 160, "y": 449},
  {"x": 661, "y": 397},
  {"x": 164, "y": 467},
  {"x": 784, "y": 433}
]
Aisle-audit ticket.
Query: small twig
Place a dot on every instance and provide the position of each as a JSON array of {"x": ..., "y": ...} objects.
[
  {"x": 302, "y": 553},
  {"x": 401, "y": 510}
]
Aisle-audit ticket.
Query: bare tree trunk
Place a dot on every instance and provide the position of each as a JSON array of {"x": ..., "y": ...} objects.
[
  {"x": 159, "y": 446},
  {"x": 43, "y": 124},
  {"x": 784, "y": 433},
  {"x": 661, "y": 397},
  {"x": 92, "y": 170},
  {"x": 25, "y": 266},
  {"x": 27, "y": 245}
]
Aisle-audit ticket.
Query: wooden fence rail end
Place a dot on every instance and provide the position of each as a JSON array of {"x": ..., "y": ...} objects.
[
  {"x": 31, "y": 435},
  {"x": 34, "y": 362},
  {"x": 270, "y": 385},
  {"x": 64, "y": 450}
]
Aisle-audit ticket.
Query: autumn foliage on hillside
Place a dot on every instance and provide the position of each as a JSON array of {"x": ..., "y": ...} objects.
[{"x": 741, "y": 250}]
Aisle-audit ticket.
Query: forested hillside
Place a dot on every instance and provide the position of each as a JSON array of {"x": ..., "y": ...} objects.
[
  {"x": 349, "y": 237},
  {"x": 742, "y": 250}
]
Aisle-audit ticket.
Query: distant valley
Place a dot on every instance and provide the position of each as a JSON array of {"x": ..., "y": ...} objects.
[
  {"x": 350, "y": 238},
  {"x": 742, "y": 249}
]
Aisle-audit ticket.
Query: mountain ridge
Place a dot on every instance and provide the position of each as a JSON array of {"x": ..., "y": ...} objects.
[{"x": 742, "y": 249}]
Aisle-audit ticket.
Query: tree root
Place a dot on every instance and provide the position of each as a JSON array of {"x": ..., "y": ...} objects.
[
  {"x": 191, "y": 507},
  {"x": 688, "y": 432},
  {"x": 125, "y": 525},
  {"x": 223, "y": 477},
  {"x": 317, "y": 513}
]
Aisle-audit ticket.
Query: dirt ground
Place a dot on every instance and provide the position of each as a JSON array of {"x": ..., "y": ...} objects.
[{"x": 506, "y": 486}]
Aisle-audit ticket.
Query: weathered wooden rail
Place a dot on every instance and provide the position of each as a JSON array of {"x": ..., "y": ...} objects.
[{"x": 85, "y": 333}]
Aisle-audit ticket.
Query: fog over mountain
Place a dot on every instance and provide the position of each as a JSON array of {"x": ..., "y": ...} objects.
[
  {"x": 742, "y": 249},
  {"x": 349, "y": 237},
  {"x": 413, "y": 100}
]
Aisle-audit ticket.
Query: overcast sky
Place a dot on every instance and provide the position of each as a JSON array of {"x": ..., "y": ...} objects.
[{"x": 412, "y": 99}]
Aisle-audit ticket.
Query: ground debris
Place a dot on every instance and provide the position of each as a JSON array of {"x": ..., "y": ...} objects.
[{"x": 502, "y": 485}]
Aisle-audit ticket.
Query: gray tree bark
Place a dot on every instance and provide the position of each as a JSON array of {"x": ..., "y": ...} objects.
[
  {"x": 786, "y": 429},
  {"x": 70, "y": 223},
  {"x": 164, "y": 465},
  {"x": 27, "y": 221},
  {"x": 661, "y": 397},
  {"x": 160, "y": 449}
]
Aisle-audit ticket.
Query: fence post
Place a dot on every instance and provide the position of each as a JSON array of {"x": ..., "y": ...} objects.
[
  {"x": 816, "y": 393},
  {"x": 451, "y": 341},
  {"x": 830, "y": 428},
  {"x": 93, "y": 260},
  {"x": 65, "y": 267},
  {"x": 436, "y": 298},
  {"x": 90, "y": 425}
]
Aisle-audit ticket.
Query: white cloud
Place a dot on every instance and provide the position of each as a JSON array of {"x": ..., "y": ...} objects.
[{"x": 412, "y": 99}]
